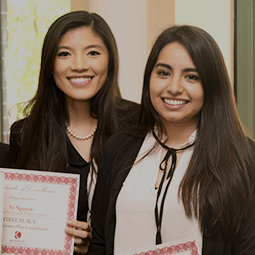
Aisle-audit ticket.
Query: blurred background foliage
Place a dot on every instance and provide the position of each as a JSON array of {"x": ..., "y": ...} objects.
[{"x": 27, "y": 24}]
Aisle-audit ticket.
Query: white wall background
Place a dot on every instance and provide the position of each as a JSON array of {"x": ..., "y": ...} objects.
[
  {"x": 215, "y": 17},
  {"x": 128, "y": 20}
]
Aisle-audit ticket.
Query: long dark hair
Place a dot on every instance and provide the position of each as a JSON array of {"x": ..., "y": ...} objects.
[
  {"x": 217, "y": 183},
  {"x": 42, "y": 138}
]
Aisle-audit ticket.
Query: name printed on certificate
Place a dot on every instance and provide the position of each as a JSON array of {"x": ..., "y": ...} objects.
[{"x": 37, "y": 205}]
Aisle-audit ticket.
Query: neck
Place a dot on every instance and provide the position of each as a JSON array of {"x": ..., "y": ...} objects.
[
  {"x": 78, "y": 111},
  {"x": 178, "y": 134},
  {"x": 80, "y": 120}
]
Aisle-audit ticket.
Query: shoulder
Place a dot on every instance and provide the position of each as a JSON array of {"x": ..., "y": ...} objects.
[
  {"x": 122, "y": 140},
  {"x": 246, "y": 241},
  {"x": 120, "y": 148},
  {"x": 129, "y": 112},
  {"x": 247, "y": 230},
  {"x": 16, "y": 126},
  {"x": 15, "y": 139},
  {"x": 15, "y": 132},
  {"x": 4, "y": 148},
  {"x": 119, "y": 154},
  {"x": 252, "y": 144},
  {"x": 4, "y": 155}
]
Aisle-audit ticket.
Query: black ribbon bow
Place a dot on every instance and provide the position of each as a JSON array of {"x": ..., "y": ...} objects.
[{"x": 163, "y": 167}]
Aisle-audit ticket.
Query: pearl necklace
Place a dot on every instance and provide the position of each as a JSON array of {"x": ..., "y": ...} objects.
[{"x": 80, "y": 138}]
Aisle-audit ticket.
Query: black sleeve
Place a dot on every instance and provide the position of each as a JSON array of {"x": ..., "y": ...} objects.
[
  {"x": 119, "y": 154},
  {"x": 15, "y": 141},
  {"x": 247, "y": 240},
  {"x": 247, "y": 232},
  {"x": 4, "y": 155},
  {"x": 98, "y": 210}
]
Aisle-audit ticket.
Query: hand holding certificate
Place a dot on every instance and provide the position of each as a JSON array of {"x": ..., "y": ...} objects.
[
  {"x": 82, "y": 234},
  {"x": 37, "y": 206}
]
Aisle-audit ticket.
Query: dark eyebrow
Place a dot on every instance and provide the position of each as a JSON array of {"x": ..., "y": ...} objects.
[
  {"x": 189, "y": 69},
  {"x": 64, "y": 47},
  {"x": 88, "y": 47},
  {"x": 164, "y": 65},
  {"x": 94, "y": 46}
]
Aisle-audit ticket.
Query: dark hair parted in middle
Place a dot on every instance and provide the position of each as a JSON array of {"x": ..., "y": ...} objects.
[
  {"x": 218, "y": 180},
  {"x": 43, "y": 135}
]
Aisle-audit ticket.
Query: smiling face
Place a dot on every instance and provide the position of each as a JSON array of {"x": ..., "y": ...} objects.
[
  {"x": 81, "y": 65},
  {"x": 176, "y": 90}
]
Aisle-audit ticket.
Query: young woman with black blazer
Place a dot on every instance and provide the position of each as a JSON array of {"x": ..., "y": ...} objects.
[
  {"x": 185, "y": 173},
  {"x": 77, "y": 106}
]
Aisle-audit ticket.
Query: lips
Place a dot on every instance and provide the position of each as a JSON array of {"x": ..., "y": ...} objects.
[
  {"x": 174, "y": 102},
  {"x": 80, "y": 81}
]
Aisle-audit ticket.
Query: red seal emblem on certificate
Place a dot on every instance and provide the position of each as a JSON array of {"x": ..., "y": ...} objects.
[{"x": 17, "y": 234}]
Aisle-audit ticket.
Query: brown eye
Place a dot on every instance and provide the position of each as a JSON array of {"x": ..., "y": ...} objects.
[
  {"x": 163, "y": 73},
  {"x": 63, "y": 54},
  {"x": 93, "y": 53},
  {"x": 192, "y": 77}
]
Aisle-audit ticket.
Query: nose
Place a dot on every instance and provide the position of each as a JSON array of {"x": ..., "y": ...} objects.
[
  {"x": 79, "y": 63},
  {"x": 175, "y": 85}
]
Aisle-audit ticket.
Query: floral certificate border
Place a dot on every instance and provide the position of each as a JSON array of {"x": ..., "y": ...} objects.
[{"x": 49, "y": 178}]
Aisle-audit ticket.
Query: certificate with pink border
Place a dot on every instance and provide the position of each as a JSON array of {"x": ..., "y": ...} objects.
[
  {"x": 188, "y": 248},
  {"x": 37, "y": 205},
  {"x": 175, "y": 247}
]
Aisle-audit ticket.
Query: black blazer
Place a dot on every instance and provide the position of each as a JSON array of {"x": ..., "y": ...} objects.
[
  {"x": 120, "y": 153},
  {"x": 128, "y": 115}
]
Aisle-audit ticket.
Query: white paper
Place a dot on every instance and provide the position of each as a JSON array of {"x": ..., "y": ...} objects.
[
  {"x": 37, "y": 207},
  {"x": 1, "y": 206}
]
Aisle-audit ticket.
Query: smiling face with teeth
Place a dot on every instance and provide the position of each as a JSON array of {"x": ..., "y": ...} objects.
[
  {"x": 176, "y": 91},
  {"x": 81, "y": 65}
]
